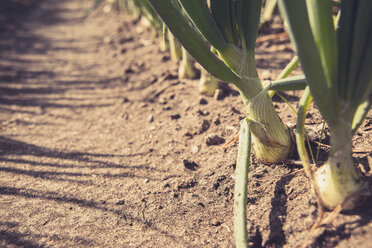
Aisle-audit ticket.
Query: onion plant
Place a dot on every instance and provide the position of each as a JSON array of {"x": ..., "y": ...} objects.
[
  {"x": 174, "y": 47},
  {"x": 207, "y": 83},
  {"x": 186, "y": 68},
  {"x": 230, "y": 27},
  {"x": 337, "y": 64},
  {"x": 268, "y": 10}
]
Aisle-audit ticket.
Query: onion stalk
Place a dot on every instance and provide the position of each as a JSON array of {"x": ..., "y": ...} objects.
[
  {"x": 336, "y": 63},
  {"x": 207, "y": 83},
  {"x": 174, "y": 47},
  {"x": 186, "y": 68}
]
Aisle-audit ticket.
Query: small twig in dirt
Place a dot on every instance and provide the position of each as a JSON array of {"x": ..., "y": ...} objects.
[
  {"x": 332, "y": 216},
  {"x": 319, "y": 143},
  {"x": 369, "y": 159},
  {"x": 230, "y": 142},
  {"x": 360, "y": 150},
  {"x": 145, "y": 42},
  {"x": 293, "y": 162},
  {"x": 272, "y": 37}
]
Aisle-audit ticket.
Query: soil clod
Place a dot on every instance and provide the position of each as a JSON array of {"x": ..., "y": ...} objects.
[
  {"x": 191, "y": 165},
  {"x": 203, "y": 102},
  {"x": 175, "y": 116},
  {"x": 204, "y": 126},
  {"x": 214, "y": 140}
]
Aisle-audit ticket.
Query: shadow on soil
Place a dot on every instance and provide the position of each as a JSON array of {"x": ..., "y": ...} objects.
[
  {"x": 17, "y": 239},
  {"x": 75, "y": 160},
  {"x": 22, "y": 84},
  {"x": 13, "y": 147},
  {"x": 128, "y": 218},
  {"x": 278, "y": 213}
]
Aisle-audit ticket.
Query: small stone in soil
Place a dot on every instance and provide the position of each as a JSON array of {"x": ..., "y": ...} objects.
[
  {"x": 214, "y": 139},
  {"x": 175, "y": 116},
  {"x": 143, "y": 105},
  {"x": 203, "y": 112},
  {"x": 215, "y": 222},
  {"x": 107, "y": 40},
  {"x": 121, "y": 202},
  {"x": 150, "y": 118},
  {"x": 194, "y": 149},
  {"x": 219, "y": 94},
  {"x": 163, "y": 100},
  {"x": 266, "y": 74},
  {"x": 191, "y": 165}
]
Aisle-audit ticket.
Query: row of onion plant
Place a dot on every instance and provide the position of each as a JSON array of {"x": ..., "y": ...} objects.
[{"x": 221, "y": 35}]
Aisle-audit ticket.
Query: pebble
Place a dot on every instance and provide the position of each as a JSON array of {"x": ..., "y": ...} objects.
[
  {"x": 107, "y": 40},
  {"x": 143, "y": 105},
  {"x": 163, "y": 100},
  {"x": 150, "y": 118},
  {"x": 218, "y": 95},
  {"x": 107, "y": 9},
  {"x": 194, "y": 149},
  {"x": 203, "y": 112},
  {"x": 266, "y": 74},
  {"x": 215, "y": 222}
]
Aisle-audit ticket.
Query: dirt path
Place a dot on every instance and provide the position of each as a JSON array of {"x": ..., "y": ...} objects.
[
  {"x": 102, "y": 146},
  {"x": 63, "y": 137}
]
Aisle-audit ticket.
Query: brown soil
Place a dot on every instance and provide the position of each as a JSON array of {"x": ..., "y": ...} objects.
[{"x": 102, "y": 146}]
